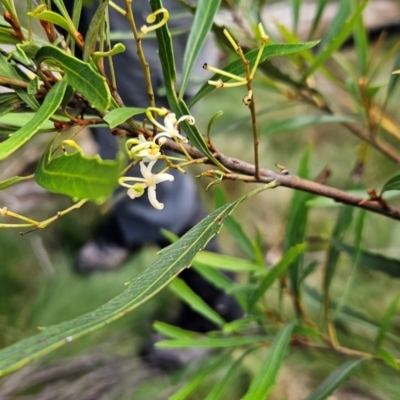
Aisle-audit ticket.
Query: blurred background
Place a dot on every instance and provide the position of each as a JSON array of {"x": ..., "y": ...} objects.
[{"x": 38, "y": 287}]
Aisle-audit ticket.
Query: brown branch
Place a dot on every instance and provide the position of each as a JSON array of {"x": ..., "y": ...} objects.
[{"x": 294, "y": 182}]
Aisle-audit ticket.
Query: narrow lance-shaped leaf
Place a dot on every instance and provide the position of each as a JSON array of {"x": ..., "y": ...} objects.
[
  {"x": 80, "y": 75},
  {"x": 202, "y": 23},
  {"x": 194, "y": 301},
  {"x": 391, "y": 184},
  {"x": 335, "y": 380},
  {"x": 386, "y": 321},
  {"x": 337, "y": 40},
  {"x": 47, "y": 110},
  {"x": 178, "y": 106},
  {"x": 266, "y": 376},
  {"x": 12, "y": 181},
  {"x": 290, "y": 124},
  {"x": 175, "y": 259},
  {"x": 79, "y": 176},
  {"x": 236, "y": 67},
  {"x": 288, "y": 258}
]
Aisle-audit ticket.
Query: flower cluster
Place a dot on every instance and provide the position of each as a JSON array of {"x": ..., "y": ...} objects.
[{"x": 149, "y": 151}]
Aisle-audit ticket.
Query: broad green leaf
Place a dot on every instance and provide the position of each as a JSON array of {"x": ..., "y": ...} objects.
[
  {"x": 388, "y": 358},
  {"x": 236, "y": 67},
  {"x": 207, "y": 368},
  {"x": 120, "y": 115},
  {"x": 79, "y": 176},
  {"x": 175, "y": 259},
  {"x": 202, "y": 23},
  {"x": 6, "y": 69},
  {"x": 391, "y": 184},
  {"x": 12, "y": 181},
  {"x": 386, "y": 322},
  {"x": 194, "y": 301},
  {"x": 266, "y": 376},
  {"x": 51, "y": 16},
  {"x": 290, "y": 124},
  {"x": 225, "y": 262},
  {"x": 173, "y": 331},
  {"x": 48, "y": 108},
  {"x": 80, "y": 75},
  {"x": 335, "y": 380},
  {"x": 337, "y": 41},
  {"x": 296, "y": 225},
  {"x": 288, "y": 258},
  {"x": 211, "y": 342},
  {"x": 378, "y": 262},
  {"x": 233, "y": 226}
]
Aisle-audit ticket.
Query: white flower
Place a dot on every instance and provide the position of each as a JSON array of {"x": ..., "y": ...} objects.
[
  {"x": 171, "y": 126},
  {"x": 148, "y": 181},
  {"x": 143, "y": 149}
]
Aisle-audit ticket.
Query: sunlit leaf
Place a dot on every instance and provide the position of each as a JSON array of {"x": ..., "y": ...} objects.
[
  {"x": 211, "y": 342},
  {"x": 388, "y": 358},
  {"x": 173, "y": 331}
]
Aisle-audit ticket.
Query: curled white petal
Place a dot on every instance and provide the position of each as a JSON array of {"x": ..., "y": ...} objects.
[
  {"x": 162, "y": 178},
  {"x": 187, "y": 118},
  {"x": 151, "y": 191}
]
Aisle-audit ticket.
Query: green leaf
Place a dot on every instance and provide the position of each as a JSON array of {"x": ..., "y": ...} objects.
[
  {"x": 303, "y": 121},
  {"x": 51, "y": 16},
  {"x": 229, "y": 263},
  {"x": 120, "y": 115},
  {"x": 378, "y": 262},
  {"x": 391, "y": 184},
  {"x": 234, "y": 227},
  {"x": 6, "y": 69},
  {"x": 265, "y": 378},
  {"x": 173, "y": 331},
  {"x": 338, "y": 40},
  {"x": 219, "y": 389},
  {"x": 80, "y": 75},
  {"x": 386, "y": 322},
  {"x": 360, "y": 40},
  {"x": 288, "y": 258},
  {"x": 335, "y": 380},
  {"x": 175, "y": 259},
  {"x": 48, "y": 108},
  {"x": 388, "y": 358},
  {"x": 12, "y": 181},
  {"x": 320, "y": 10},
  {"x": 210, "y": 342},
  {"x": 79, "y": 176},
  {"x": 207, "y": 368},
  {"x": 297, "y": 223},
  {"x": 194, "y": 301},
  {"x": 343, "y": 223},
  {"x": 178, "y": 106},
  {"x": 202, "y": 23},
  {"x": 236, "y": 67}
]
